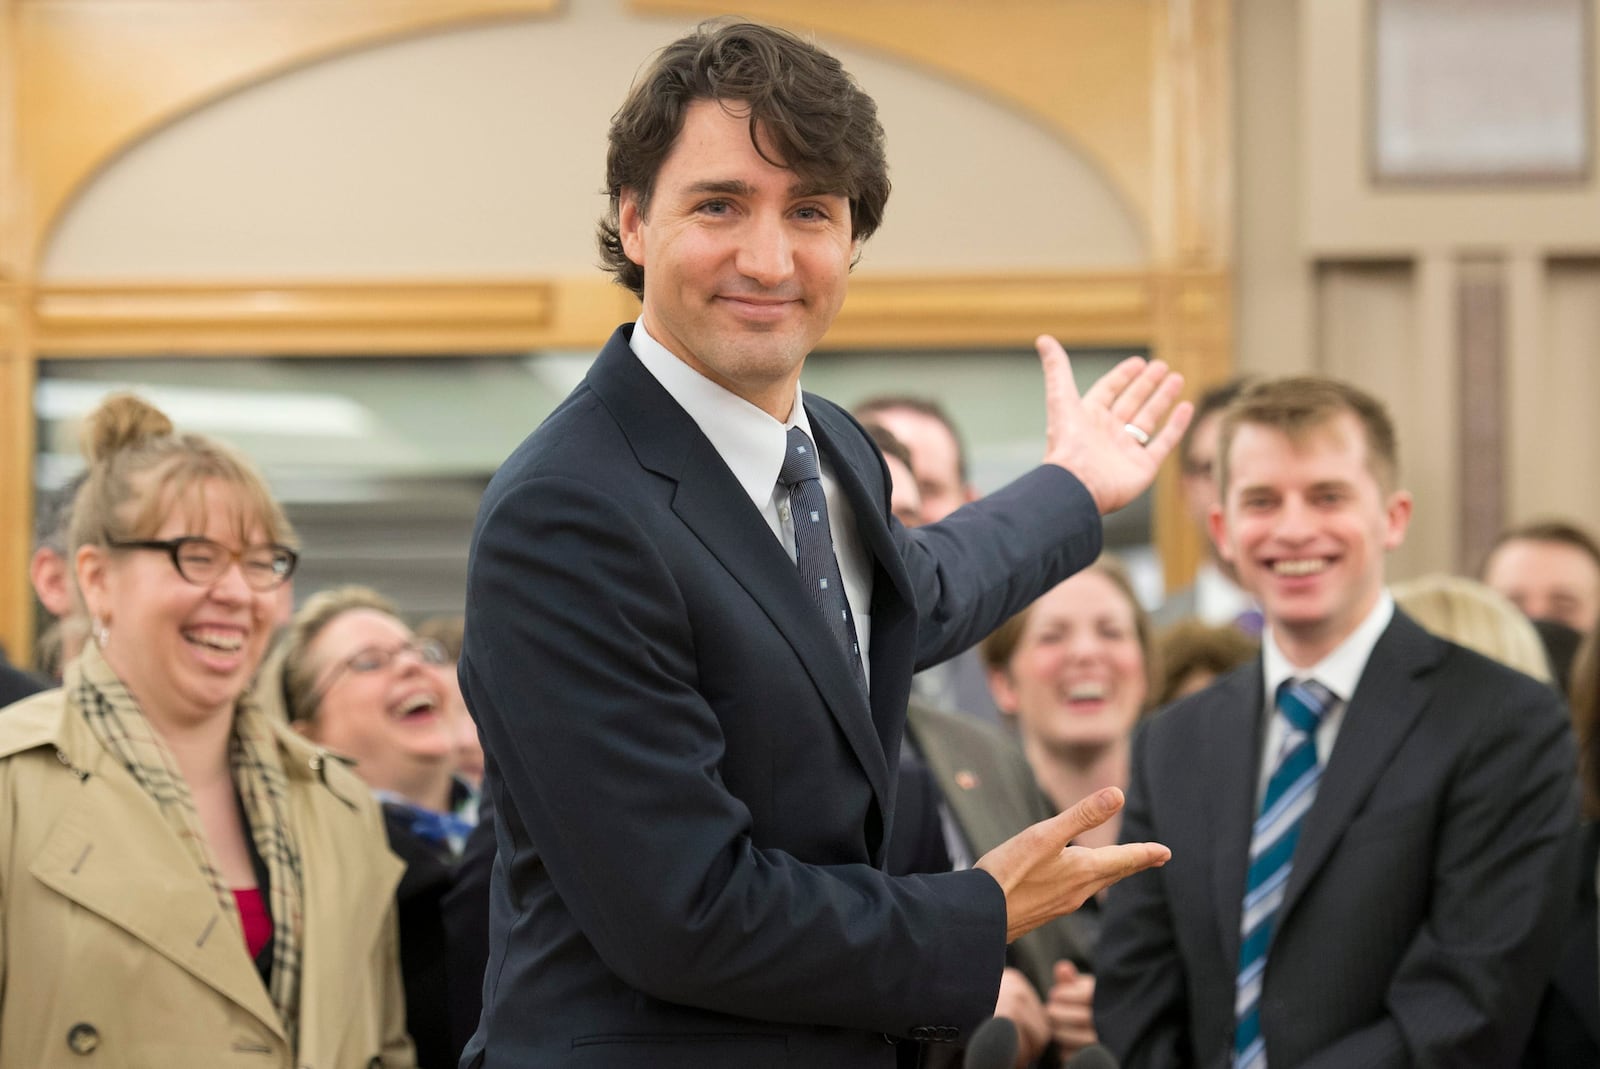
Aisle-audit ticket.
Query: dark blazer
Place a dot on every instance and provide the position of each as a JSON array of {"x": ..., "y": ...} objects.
[
  {"x": 1429, "y": 890},
  {"x": 691, "y": 792},
  {"x": 1566, "y": 1033},
  {"x": 424, "y": 970},
  {"x": 16, "y": 684}
]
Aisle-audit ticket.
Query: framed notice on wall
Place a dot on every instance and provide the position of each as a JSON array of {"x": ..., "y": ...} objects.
[{"x": 1481, "y": 90}]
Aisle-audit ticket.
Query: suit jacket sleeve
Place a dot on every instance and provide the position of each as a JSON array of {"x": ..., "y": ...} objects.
[
  {"x": 615, "y": 774},
  {"x": 989, "y": 559},
  {"x": 1140, "y": 1003},
  {"x": 1468, "y": 985}
]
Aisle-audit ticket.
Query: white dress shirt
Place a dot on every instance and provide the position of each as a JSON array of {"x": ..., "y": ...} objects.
[
  {"x": 1339, "y": 671},
  {"x": 753, "y": 445}
]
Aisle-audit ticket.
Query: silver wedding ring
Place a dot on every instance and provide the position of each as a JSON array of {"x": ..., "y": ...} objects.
[{"x": 1138, "y": 434}]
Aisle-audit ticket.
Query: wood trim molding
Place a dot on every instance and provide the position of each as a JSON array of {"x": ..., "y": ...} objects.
[{"x": 454, "y": 316}]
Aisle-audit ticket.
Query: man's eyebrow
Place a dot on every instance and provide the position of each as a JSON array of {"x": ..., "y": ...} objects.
[
  {"x": 730, "y": 186},
  {"x": 734, "y": 187}
]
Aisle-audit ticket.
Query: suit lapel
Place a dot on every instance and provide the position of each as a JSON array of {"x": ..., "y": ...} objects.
[
  {"x": 1229, "y": 771},
  {"x": 714, "y": 506},
  {"x": 1388, "y": 700},
  {"x": 134, "y": 873}
]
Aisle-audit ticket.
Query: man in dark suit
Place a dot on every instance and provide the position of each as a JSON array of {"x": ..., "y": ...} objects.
[
  {"x": 691, "y": 672},
  {"x": 1372, "y": 829}
]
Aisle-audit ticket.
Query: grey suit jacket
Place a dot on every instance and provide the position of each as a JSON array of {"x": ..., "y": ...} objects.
[
  {"x": 990, "y": 790},
  {"x": 1425, "y": 906}
]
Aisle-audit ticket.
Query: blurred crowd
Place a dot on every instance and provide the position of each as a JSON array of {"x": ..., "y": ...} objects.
[{"x": 188, "y": 738}]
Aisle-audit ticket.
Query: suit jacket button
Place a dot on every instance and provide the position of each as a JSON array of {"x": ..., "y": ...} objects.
[{"x": 83, "y": 1039}]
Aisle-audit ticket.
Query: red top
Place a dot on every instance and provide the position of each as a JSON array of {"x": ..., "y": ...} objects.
[{"x": 257, "y": 921}]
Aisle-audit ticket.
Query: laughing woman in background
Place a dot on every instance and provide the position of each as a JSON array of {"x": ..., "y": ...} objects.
[{"x": 184, "y": 882}]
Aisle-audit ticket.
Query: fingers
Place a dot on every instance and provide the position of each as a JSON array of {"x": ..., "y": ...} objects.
[
  {"x": 1089, "y": 812},
  {"x": 1141, "y": 393},
  {"x": 1108, "y": 387},
  {"x": 1164, "y": 443}
]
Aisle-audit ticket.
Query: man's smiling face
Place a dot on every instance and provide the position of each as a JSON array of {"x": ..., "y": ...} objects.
[{"x": 1307, "y": 525}]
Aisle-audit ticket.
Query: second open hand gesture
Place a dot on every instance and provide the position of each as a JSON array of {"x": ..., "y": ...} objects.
[{"x": 1090, "y": 435}]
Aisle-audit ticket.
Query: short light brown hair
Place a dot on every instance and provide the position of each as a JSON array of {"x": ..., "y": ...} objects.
[
  {"x": 140, "y": 468},
  {"x": 320, "y": 610},
  {"x": 1001, "y": 645},
  {"x": 1301, "y": 404}
]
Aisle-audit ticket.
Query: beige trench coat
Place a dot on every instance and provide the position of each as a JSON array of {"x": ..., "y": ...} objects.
[{"x": 114, "y": 951}]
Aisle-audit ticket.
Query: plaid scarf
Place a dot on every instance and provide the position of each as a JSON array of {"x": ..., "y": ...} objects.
[{"x": 117, "y": 722}]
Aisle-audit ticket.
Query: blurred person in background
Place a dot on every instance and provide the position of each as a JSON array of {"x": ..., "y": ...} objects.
[
  {"x": 50, "y": 573},
  {"x": 1192, "y": 654},
  {"x": 1470, "y": 614},
  {"x": 184, "y": 879},
  {"x": 938, "y": 459},
  {"x": 1550, "y": 569},
  {"x": 1566, "y": 1031},
  {"x": 1076, "y": 670},
  {"x": 1215, "y": 597},
  {"x": 16, "y": 684},
  {"x": 446, "y": 631},
  {"x": 359, "y": 682}
]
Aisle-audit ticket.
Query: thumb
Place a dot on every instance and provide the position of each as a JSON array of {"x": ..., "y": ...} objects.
[{"x": 1066, "y": 972}]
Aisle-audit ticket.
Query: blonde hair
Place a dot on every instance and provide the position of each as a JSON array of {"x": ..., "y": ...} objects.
[
  {"x": 140, "y": 467},
  {"x": 320, "y": 610},
  {"x": 1470, "y": 614}
]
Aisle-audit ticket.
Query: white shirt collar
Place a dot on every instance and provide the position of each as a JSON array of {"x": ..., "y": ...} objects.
[
  {"x": 748, "y": 439},
  {"x": 1340, "y": 670}
]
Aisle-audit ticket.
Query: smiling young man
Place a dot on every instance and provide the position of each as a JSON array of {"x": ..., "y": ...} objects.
[
  {"x": 1370, "y": 826},
  {"x": 691, "y": 627}
]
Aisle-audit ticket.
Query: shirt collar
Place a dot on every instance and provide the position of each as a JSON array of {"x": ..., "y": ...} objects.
[
  {"x": 748, "y": 439},
  {"x": 1340, "y": 670}
]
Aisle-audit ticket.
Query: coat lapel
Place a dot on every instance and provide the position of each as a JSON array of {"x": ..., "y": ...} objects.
[
  {"x": 714, "y": 506},
  {"x": 136, "y": 874},
  {"x": 1229, "y": 771},
  {"x": 1388, "y": 700}
]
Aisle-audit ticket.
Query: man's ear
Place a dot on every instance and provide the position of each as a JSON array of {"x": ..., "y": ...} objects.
[
  {"x": 630, "y": 225},
  {"x": 1397, "y": 516},
  {"x": 1218, "y": 526},
  {"x": 47, "y": 570}
]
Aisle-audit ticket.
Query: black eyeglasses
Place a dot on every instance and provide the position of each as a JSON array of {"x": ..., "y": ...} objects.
[
  {"x": 376, "y": 659},
  {"x": 202, "y": 561}
]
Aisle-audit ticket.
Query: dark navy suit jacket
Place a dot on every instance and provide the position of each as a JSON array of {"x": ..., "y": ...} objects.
[
  {"x": 691, "y": 792},
  {"x": 1430, "y": 886}
]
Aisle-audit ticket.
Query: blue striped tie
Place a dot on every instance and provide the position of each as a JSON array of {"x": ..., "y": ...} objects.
[
  {"x": 813, "y": 545},
  {"x": 1290, "y": 792}
]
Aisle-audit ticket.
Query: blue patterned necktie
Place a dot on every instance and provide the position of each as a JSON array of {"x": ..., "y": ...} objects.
[
  {"x": 813, "y": 544},
  {"x": 1290, "y": 792}
]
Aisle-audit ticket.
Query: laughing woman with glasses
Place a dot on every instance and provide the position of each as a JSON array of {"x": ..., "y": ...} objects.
[
  {"x": 358, "y": 681},
  {"x": 182, "y": 880}
]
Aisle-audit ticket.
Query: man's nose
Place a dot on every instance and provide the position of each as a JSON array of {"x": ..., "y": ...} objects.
[{"x": 766, "y": 253}]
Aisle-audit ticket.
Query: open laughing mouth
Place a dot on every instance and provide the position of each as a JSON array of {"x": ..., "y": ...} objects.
[
  {"x": 217, "y": 639},
  {"x": 1300, "y": 567}
]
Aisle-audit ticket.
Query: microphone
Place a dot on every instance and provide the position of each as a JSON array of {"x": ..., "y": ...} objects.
[
  {"x": 993, "y": 1045},
  {"x": 1094, "y": 1056}
]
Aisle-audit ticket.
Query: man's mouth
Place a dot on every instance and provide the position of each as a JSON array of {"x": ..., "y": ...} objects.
[{"x": 1296, "y": 568}]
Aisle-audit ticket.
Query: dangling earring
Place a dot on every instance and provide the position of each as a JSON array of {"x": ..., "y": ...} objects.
[{"x": 102, "y": 632}]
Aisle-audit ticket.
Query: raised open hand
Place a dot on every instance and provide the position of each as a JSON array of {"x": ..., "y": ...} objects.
[{"x": 1115, "y": 436}]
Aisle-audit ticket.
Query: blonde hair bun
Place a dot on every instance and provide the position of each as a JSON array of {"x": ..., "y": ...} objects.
[{"x": 122, "y": 421}]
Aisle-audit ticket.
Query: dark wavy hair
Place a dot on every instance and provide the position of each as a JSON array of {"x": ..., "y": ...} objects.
[{"x": 809, "y": 113}]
